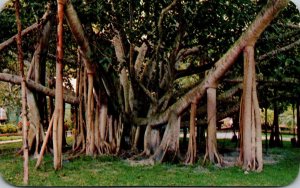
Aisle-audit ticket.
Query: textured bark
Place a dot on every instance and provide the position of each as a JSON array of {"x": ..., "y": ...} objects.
[
  {"x": 41, "y": 154},
  {"x": 58, "y": 120},
  {"x": 103, "y": 121},
  {"x": 275, "y": 140},
  {"x": 23, "y": 92},
  {"x": 192, "y": 148},
  {"x": 90, "y": 141},
  {"x": 68, "y": 97},
  {"x": 298, "y": 121},
  {"x": 37, "y": 73},
  {"x": 26, "y": 31},
  {"x": 250, "y": 124},
  {"x": 79, "y": 134},
  {"x": 279, "y": 50},
  {"x": 136, "y": 136},
  {"x": 211, "y": 141},
  {"x": 151, "y": 140},
  {"x": 169, "y": 146},
  {"x": 123, "y": 75},
  {"x": 77, "y": 30}
]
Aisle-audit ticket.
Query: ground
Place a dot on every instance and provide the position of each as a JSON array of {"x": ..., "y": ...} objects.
[{"x": 281, "y": 168}]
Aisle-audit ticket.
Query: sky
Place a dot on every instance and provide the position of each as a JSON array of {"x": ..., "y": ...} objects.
[
  {"x": 297, "y": 3},
  {"x": 2, "y": 4}
]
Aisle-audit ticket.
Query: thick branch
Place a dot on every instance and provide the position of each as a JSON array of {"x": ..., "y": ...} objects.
[
  {"x": 27, "y": 30},
  {"x": 266, "y": 80},
  {"x": 229, "y": 93},
  {"x": 279, "y": 50},
  {"x": 78, "y": 33},
  {"x": 193, "y": 70},
  {"x": 147, "y": 92},
  {"x": 250, "y": 36},
  {"x": 160, "y": 20},
  {"x": 69, "y": 98},
  {"x": 292, "y": 26},
  {"x": 186, "y": 52}
]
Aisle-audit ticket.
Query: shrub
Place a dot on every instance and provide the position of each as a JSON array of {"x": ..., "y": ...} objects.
[
  {"x": 69, "y": 125},
  {"x": 8, "y": 128}
]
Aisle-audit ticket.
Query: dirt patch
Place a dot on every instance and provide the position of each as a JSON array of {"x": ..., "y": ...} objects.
[{"x": 231, "y": 158}]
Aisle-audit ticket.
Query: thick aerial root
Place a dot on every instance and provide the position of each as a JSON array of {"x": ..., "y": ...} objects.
[
  {"x": 190, "y": 157},
  {"x": 216, "y": 158},
  {"x": 104, "y": 148},
  {"x": 143, "y": 154},
  {"x": 77, "y": 154}
]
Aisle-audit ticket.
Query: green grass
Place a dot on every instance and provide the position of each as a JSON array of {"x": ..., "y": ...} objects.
[
  {"x": 112, "y": 171},
  {"x": 5, "y": 138}
]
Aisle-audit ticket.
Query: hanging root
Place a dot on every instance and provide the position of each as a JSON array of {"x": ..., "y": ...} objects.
[
  {"x": 215, "y": 159},
  {"x": 104, "y": 148},
  {"x": 77, "y": 154},
  {"x": 143, "y": 154}
]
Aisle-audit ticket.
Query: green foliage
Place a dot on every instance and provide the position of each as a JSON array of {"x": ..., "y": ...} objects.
[
  {"x": 5, "y": 138},
  {"x": 8, "y": 128},
  {"x": 69, "y": 124},
  {"x": 270, "y": 116},
  {"x": 287, "y": 117}
]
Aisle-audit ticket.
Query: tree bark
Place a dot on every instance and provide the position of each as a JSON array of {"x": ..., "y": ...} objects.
[
  {"x": 211, "y": 142},
  {"x": 298, "y": 121},
  {"x": 40, "y": 158},
  {"x": 37, "y": 73},
  {"x": 27, "y": 30},
  {"x": 192, "y": 148},
  {"x": 23, "y": 92},
  {"x": 275, "y": 140},
  {"x": 250, "y": 124},
  {"x": 68, "y": 97},
  {"x": 58, "y": 120},
  {"x": 90, "y": 141},
  {"x": 169, "y": 146}
]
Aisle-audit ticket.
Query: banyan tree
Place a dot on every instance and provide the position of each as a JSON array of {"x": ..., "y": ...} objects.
[{"x": 142, "y": 69}]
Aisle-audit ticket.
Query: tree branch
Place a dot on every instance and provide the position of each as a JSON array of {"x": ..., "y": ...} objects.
[
  {"x": 147, "y": 92},
  {"x": 229, "y": 93},
  {"x": 160, "y": 20},
  {"x": 279, "y": 50},
  {"x": 193, "y": 70},
  {"x": 249, "y": 37},
  {"x": 186, "y": 52},
  {"x": 266, "y": 80},
  {"x": 27, "y": 30},
  {"x": 68, "y": 97}
]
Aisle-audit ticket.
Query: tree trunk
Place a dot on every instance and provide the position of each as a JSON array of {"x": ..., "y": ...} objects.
[
  {"x": 298, "y": 122},
  {"x": 23, "y": 92},
  {"x": 169, "y": 146},
  {"x": 211, "y": 142},
  {"x": 192, "y": 148},
  {"x": 37, "y": 73},
  {"x": 275, "y": 140},
  {"x": 58, "y": 120},
  {"x": 250, "y": 124},
  {"x": 90, "y": 135}
]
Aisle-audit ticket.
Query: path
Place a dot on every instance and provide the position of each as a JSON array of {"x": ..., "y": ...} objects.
[{"x": 10, "y": 141}]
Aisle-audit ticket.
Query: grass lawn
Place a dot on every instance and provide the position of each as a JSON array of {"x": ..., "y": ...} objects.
[
  {"x": 5, "y": 138},
  {"x": 112, "y": 171}
]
